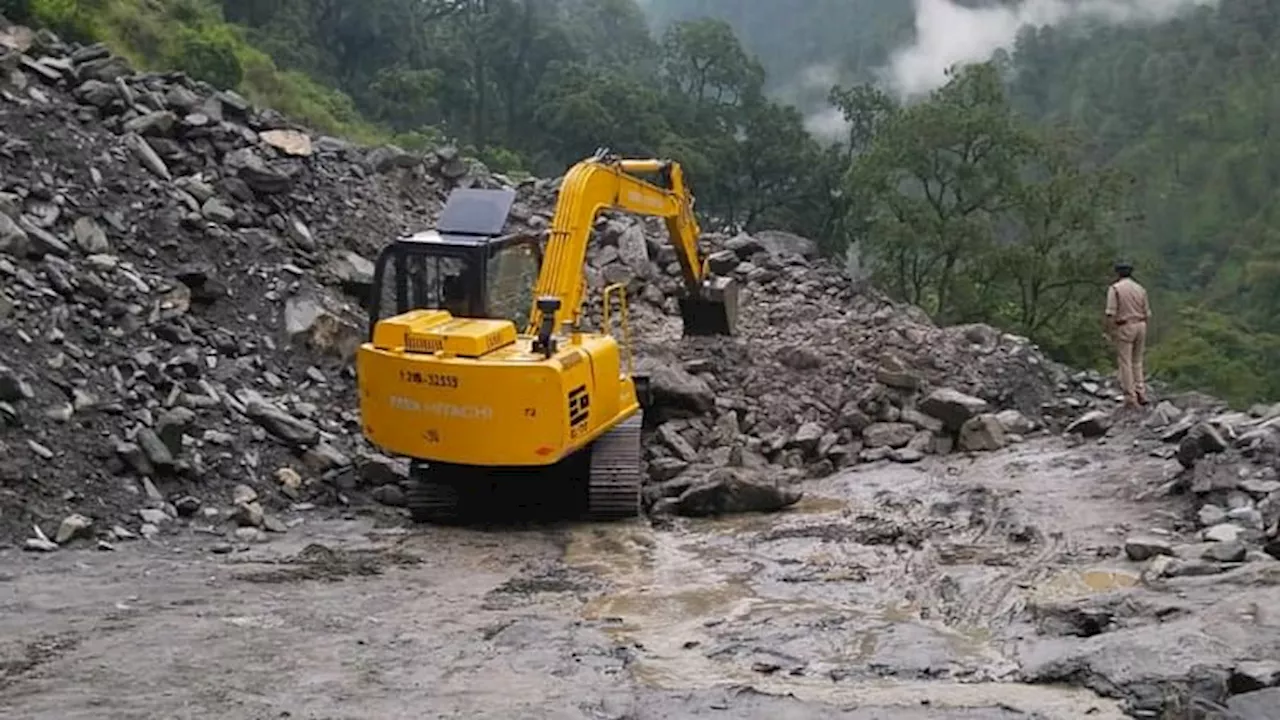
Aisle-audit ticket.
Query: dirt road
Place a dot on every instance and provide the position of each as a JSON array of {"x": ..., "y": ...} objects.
[{"x": 957, "y": 588}]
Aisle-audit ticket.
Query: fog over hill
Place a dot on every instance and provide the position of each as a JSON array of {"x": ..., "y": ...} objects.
[{"x": 810, "y": 45}]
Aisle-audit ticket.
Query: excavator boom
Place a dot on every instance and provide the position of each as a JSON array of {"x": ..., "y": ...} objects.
[{"x": 608, "y": 182}]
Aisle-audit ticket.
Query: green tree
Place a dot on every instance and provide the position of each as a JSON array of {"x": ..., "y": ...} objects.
[{"x": 939, "y": 171}]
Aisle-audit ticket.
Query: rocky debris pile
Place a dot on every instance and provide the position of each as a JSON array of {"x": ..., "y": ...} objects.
[
  {"x": 180, "y": 285},
  {"x": 823, "y": 374},
  {"x": 1231, "y": 468},
  {"x": 181, "y": 281}
]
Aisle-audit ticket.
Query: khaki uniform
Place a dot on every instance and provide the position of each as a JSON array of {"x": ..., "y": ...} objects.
[{"x": 1128, "y": 314}]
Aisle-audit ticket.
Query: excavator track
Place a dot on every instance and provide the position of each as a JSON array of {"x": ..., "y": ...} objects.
[
  {"x": 432, "y": 498},
  {"x": 613, "y": 488}
]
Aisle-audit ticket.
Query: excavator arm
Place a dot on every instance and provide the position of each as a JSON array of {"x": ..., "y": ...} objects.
[{"x": 607, "y": 182}]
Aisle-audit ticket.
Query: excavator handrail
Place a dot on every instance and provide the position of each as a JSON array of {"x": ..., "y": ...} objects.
[{"x": 606, "y": 181}]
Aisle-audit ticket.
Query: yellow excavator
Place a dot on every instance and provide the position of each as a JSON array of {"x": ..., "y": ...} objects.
[{"x": 477, "y": 366}]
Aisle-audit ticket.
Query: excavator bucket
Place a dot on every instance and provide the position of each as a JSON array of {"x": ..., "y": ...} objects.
[{"x": 714, "y": 311}]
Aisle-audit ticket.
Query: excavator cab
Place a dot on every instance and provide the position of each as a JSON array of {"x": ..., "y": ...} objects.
[
  {"x": 469, "y": 268},
  {"x": 465, "y": 266}
]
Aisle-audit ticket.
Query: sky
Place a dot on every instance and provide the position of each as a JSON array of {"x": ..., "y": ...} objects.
[{"x": 948, "y": 34}]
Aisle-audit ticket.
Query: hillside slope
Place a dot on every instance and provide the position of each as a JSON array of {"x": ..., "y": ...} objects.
[
  {"x": 180, "y": 281},
  {"x": 184, "y": 275}
]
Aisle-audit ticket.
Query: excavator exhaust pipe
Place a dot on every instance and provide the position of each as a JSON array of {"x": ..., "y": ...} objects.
[{"x": 713, "y": 311}]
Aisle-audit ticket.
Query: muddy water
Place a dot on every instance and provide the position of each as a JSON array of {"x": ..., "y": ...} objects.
[
  {"x": 891, "y": 592},
  {"x": 788, "y": 605}
]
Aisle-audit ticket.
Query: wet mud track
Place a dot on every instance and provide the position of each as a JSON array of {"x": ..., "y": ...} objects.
[{"x": 966, "y": 588}]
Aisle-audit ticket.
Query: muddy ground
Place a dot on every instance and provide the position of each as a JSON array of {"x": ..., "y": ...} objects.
[{"x": 984, "y": 587}]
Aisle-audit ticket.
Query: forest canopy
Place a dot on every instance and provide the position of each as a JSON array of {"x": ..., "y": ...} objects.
[{"x": 1002, "y": 197}]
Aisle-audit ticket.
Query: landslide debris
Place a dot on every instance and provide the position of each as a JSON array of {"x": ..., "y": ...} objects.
[{"x": 181, "y": 278}]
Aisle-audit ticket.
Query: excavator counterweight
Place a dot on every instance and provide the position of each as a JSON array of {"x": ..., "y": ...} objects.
[{"x": 477, "y": 367}]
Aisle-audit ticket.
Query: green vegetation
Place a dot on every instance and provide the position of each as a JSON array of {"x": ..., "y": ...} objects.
[
  {"x": 1001, "y": 198},
  {"x": 192, "y": 36}
]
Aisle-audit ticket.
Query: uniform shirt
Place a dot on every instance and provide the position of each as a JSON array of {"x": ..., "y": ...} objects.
[{"x": 1127, "y": 302}]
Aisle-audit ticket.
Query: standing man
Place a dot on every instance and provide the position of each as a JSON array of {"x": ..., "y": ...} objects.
[{"x": 1127, "y": 317}]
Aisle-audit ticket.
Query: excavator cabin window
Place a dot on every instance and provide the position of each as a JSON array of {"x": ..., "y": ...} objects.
[
  {"x": 469, "y": 277},
  {"x": 466, "y": 265}
]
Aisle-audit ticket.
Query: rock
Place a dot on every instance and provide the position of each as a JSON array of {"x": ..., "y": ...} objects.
[
  {"x": 1015, "y": 422},
  {"x": 893, "y": 373},
  {"x": 248, "y": 514},
  {"x": 72, "y": 527},
  {"x": 90, "y": 237},
  {"x": 172, "y": 425},
  {"x": 262, "y": 178},
  {"x": 158, "y": 123},
  {"x": 390, "y": 157},
  {"x": 1164, "y": 414},
  {"x": 243, "y": 494},
  {"x": 725, "y": 492},
  {"x": 148, "y": 157},
  {"x": 218, "y": 211},
  {"x": 289, "y": 142},
  {"x": 890, "y": 435},
  {"x": 158, "y": 454},
  {"x": 1202, "y": 439},
  {"x": 1141, "y": 548},
  {"x": 282, "y": 425},
  {"x": 665, "y": 468},
  {"x": 671, "y": 437},
  {"x": 353, "y": 272},
  {"x": 1228, "y": 552},
  {"x": 323, "y": 457},
  {"x": 853, "y": 418},
  {"x": 1256, "y": 705},
  {"x": 390, "y": 495},
  {"x": 784, "y": 243},
  {"x": 1224, "y": 533},
  {"x": 13, "y": 239},
  {"x": 1249, "y": 677},
  {"x": 309, "y": 322},
  {"x": 289, "y": 480},
  {"x": 982, "y": 433},
  {"x": 96, "y": 93},
  {"x": 673, "y": 387},
  {"x": 906, "y": 455},
  {"x": 12, "y": 387},
  {"x": 952, "y": 407},
  {"x": 1211, "y": 515},
  {"x": 40, "y": 544},
  {"x": 922, "y": 421},
  {"x": 807, "y": 437},
  {"x": 798, "y": 358},
  {"x": 187, "y": 506},
  {"x": 183, "y": 270},
  {"x": 1092, "y": 424},
  {"x": 41, "y": 242},
  {"x": 153, "y": 516}
]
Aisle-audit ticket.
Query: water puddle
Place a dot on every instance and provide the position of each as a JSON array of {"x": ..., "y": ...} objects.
[
  {"x": 1072, "y": 584},
  {"x": 809, "y": 505},
  {"x": 700, "y": 611}
]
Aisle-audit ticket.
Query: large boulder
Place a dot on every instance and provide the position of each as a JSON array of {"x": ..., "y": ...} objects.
[{"x": 952, "y": 407}]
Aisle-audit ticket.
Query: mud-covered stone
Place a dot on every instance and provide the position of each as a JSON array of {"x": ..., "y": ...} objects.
[
  {"x": 952, "y": 407},
  {"x": 1145, "y": 547},
  {"x": 728, "y": 491},
  {"x": 982, "y": 433},
  {"x": 1092, "y": 424}
]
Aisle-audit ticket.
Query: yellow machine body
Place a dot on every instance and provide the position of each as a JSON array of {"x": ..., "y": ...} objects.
[
  {"x": 471, "y": 392},
  {"x": 450, "y": 379}
]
